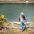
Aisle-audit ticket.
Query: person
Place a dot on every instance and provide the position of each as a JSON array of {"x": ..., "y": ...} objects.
[{"x": 22, "y": 20}]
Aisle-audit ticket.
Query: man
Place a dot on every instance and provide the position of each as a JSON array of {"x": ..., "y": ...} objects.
[{"x": 22, "y": 20}]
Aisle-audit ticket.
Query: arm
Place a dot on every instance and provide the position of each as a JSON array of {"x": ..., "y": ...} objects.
[{"x": 19, "y": 19}]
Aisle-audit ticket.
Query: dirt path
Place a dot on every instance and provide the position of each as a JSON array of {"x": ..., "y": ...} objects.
[{"x": 17, "y": 31}]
